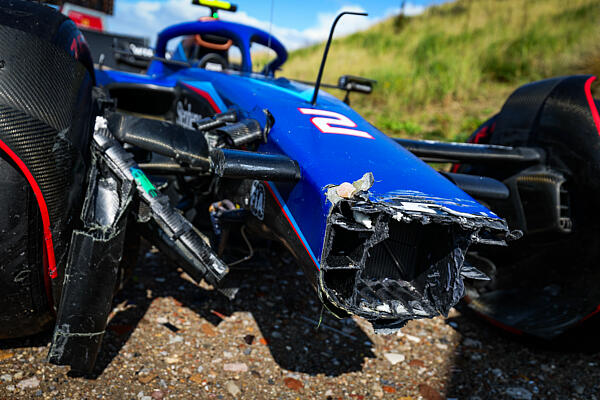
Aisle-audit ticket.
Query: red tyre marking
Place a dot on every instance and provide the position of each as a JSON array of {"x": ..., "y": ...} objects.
[
  {"x": 51, "y": 270},
  {"x": 590, "y": 315},
  {"x": 482, "y": 133},
  {"x": 591, "y": 103}
]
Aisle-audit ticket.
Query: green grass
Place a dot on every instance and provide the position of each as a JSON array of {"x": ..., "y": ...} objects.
[{"x": 442, "y": 73}]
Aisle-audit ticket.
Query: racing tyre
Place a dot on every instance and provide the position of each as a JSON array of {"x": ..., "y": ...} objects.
[
  {"x": 546, "y": 282},
  {"x": 46, "y": 78}
]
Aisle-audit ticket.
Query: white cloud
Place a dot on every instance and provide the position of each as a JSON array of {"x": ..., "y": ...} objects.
[
  {"x": 147, "y": 18},
  {"x": 410, "y": 9}
]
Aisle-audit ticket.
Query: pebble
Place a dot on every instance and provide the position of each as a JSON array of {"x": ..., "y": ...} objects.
[
  {"x": 476, "y": 357},
  {"x": 5, "y": 377},
  {"x": 412, "y": 338},
  {"x": 235, "y": 367},
  {"x": 208, "y": 330},
  {"x": 468, "y": 342},
  {"x": 546, "y": 368},
  {"x": 453, "y": 324},
  {"x": 497, "y": 372},
  {"x": 579, "y": 389},
  {"x": 429, "y": 393},
  {"x": 176, "y": 339},
  {"x": 29, "y": 383},
  {"x": 394, "y": 358},
  {"x": 232, "y": 388},
  {"x": 377, "y": 390},
  {"x": 147, "y": 378},
  {"x": 172, "y": 360},
  {"x": 416, "y": 363},
  {"x": 518, "y": 393},
  {"x": 293, "y": 383}
]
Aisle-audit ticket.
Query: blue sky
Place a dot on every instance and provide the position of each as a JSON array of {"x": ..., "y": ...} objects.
[{"x": 295, "y": 23}]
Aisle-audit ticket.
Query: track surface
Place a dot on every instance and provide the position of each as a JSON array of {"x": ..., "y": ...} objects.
[{"x": 170, "y": 339}]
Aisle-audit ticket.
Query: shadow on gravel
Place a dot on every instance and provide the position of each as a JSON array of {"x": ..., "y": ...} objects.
[
  {"x": 281, "y": 300},
  {"x": 39, "y": 340},
  {"x": 493, "y": 364}
]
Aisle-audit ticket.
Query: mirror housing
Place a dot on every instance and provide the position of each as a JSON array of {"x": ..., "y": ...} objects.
[{"x": 351, "y": 83}]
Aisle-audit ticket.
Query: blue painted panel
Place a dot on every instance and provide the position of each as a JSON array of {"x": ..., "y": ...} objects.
[{"x": 325, "y": 158}]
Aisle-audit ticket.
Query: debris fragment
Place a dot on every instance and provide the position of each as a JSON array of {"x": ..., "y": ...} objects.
[
  {"x": 347, "y": 190},
  {"x": 218, "y": 314}
]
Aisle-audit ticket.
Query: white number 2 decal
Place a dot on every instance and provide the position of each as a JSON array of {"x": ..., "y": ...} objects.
[{"x": 328, "y": 118}]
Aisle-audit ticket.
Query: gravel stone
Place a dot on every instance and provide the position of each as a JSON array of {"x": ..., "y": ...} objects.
[
  {"x": 272, "y": 299},
  {"x": 394, "y": 358},
  {"x": 518, "y": 393},
  {"x": 232, "y": 388},
  {"x": 29, "y": 383},
  {"x": 235, "y": 367}
]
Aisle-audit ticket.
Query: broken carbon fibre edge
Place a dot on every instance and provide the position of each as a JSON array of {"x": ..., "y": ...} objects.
[
  {"x": 397, "y": 259},
  {"x": 96, "y": 250}
]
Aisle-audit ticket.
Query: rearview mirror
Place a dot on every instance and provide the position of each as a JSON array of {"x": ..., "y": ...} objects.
[{"x": 351, "y": 83}]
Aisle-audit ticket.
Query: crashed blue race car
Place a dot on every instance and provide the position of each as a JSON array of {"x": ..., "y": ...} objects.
[{"x": 200, "y": 154}]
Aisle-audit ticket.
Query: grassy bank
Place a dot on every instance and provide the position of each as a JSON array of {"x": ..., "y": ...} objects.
[{"x": 442, "y": 73}]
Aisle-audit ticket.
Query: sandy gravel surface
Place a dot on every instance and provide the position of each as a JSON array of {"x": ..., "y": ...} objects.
[{"x": 170, "y": 339}]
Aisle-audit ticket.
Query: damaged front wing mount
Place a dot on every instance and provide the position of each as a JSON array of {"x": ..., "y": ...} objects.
[
  {"x": 116, "y": 188},
  {"x": 398, "y": 258}
]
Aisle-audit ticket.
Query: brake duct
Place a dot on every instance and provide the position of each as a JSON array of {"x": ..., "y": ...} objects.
[{"x": 399, "y": 257}]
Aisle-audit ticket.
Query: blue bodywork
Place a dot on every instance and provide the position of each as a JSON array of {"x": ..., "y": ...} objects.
[{"x": 325, "y": 158}]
